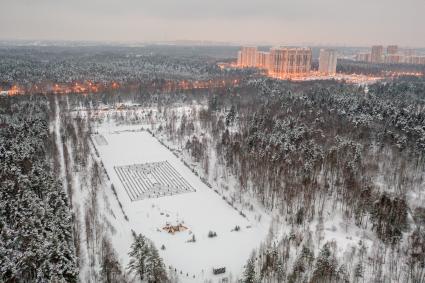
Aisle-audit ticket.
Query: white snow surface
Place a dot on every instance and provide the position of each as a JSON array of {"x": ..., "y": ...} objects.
[{"x": 201, "y": 211}]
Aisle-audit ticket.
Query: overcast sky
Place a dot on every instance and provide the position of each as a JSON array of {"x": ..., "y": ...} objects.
[{"x": 342, "y": 22}]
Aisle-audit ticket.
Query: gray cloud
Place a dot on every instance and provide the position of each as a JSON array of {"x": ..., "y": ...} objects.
[{"x": 277, "y": 21}]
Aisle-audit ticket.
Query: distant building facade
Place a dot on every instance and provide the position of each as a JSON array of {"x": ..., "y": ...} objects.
[
  {"x": 393, "y": 58},
  {"x": 239, "y": 63},
  {"x": 287, "y": 62},
  {"x": 376, "y": 54},
  {"x": 282, "y": 62},
  {"x": 327, "y": 61},
  {"x": 247, "y": 57},
  {"x": 415, "y": 60},
  {"x": 263, "y": 60}
]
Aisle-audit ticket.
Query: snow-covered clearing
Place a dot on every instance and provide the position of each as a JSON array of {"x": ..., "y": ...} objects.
[{"x": 201, "y": 211}]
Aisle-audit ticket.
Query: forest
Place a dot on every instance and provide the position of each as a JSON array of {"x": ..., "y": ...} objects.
[
  {"x": 319, "y": 157},
  {"x": 36, "y": 239},
  {"x": 307, "y": 151}
]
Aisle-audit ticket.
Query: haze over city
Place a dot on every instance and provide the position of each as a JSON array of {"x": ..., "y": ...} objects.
[{"x": 327, "y": 22}]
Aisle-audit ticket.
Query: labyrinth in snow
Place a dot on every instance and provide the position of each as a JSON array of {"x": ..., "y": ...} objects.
[{"x": 152, "y": 180}]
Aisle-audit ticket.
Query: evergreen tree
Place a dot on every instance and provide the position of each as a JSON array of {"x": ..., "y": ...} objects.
[
  {"x": 326, "y": 266},
  {"x": 249, "y": 275},
  {"x": 145, "y": 261},
  {"x": 280, "y": 271},
  {"x": 155, "y": 269},
  {"x": 358, "y": 271},
  {"x": 139, "y": 252},
  {"x": 230, "y": 117}
]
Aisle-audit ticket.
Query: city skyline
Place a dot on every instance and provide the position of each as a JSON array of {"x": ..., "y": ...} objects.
[{"x": 324, "y": 23}]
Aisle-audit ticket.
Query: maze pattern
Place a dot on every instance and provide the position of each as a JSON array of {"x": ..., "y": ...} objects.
[{"x": 152, "y": 180}]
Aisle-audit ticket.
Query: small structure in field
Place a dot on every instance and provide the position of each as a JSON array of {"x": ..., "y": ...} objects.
[
  {"x": 174, "y": 228},
  {"x": 212, "y": 234},
  {"x": 220, "y": 270}
]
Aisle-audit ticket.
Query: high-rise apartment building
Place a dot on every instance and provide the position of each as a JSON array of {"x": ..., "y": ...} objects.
[
  {"x": 247, "y": 57},
  {"x": 392, "y": 49},
  {"x": 327, "y": 61},
  {"x": 282, "y": 62},
  {"x": 377, "y": 52},
  {"x": 392, "y": 56},
  {"x": 263, "y": 60},
  {"x": 288, "y": 62}
]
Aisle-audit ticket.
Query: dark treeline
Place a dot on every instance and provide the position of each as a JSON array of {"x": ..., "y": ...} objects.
[
  {"x": 36, "y": 242},
  {"x": 30, "y": 65}
]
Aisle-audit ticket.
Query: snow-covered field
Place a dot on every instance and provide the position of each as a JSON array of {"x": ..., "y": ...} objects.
[{"x": 200, "y": 211}]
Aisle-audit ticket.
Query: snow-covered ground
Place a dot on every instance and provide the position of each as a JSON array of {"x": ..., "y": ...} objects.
[{"x": 200, "y": 211}]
